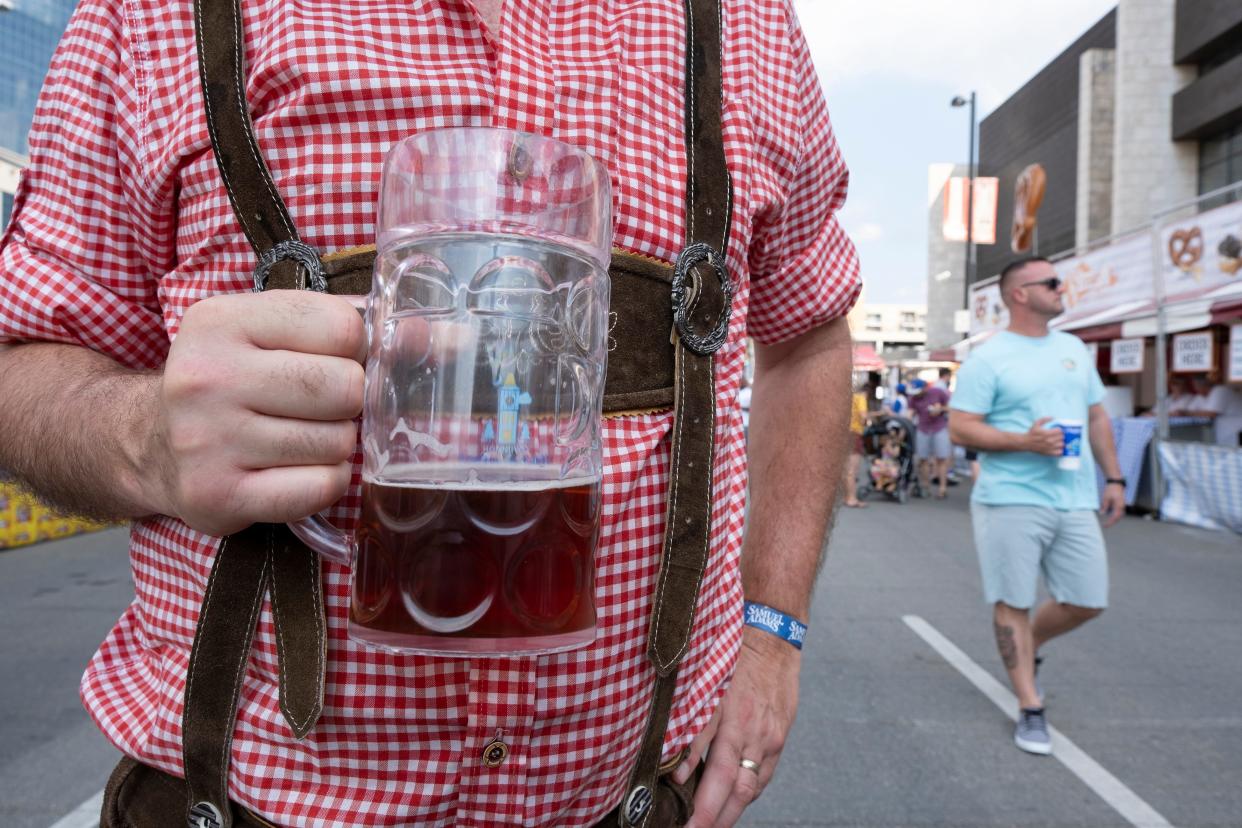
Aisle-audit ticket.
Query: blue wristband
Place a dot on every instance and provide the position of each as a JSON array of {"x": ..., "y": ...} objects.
[{"x": 775, "y": 622}]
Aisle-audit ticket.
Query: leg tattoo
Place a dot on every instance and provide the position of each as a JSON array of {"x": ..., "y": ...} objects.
[{"x": 1005, "y": 643}]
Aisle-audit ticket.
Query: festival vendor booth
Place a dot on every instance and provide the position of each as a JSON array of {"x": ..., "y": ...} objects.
[
  {"x": 1198, "y": 327},
  {"x": 1160, "y": 306},
  {"x": 1106, "y": 287}
]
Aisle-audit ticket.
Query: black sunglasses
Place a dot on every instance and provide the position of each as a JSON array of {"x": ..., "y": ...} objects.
[{"x": 1052, "y": 283}]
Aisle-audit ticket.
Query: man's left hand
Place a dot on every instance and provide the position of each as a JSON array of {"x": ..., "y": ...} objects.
[
  {"x": 752, "y": 722},
  {"x": 1112, "y": 504}
]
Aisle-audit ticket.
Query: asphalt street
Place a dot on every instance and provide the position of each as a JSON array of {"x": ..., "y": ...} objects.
[{"x": 889, "y": 733}]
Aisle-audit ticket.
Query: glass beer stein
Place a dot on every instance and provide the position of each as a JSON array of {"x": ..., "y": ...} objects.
[{"x": 487, "y": 323}]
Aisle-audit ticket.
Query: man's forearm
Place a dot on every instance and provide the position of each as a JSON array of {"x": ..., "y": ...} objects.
[
  {"x": 1100, "y": 430},
  {"x": 799, "y": 438},
  {"x": 74, "y": 428},
  {"x": 983, "y": 437}
]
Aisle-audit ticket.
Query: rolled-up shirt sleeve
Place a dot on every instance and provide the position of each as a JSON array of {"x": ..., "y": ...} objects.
[
  {"x": 803, "y": 267},
  {"x": 80, "y": 257}
]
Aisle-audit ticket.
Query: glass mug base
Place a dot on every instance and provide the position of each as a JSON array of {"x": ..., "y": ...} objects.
[
  {"x": 473, "y": 569},
  {"x": 434, "y": 645}
]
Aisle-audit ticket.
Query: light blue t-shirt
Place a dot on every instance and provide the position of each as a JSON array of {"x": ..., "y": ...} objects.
[{"x": 1015, "y": 380}]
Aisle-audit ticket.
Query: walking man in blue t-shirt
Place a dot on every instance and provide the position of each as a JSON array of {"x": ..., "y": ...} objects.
[{"x": 1029, "y": 512}]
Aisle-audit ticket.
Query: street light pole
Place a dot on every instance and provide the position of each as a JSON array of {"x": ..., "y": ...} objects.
[{"x": 967, "y": 272}]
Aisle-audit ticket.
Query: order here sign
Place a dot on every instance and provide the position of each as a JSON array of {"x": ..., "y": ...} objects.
[
  {"x": 1192, "y": 353},
  {"x": 1127, "y": 356}
]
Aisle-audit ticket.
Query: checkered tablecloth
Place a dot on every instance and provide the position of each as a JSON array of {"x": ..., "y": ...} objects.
[
  {"x": 1131, "y": 435},
  {"x": 1204, "y": 485}
]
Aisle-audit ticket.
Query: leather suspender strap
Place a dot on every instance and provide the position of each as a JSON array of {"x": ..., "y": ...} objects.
[
  {"x": 256, "y": 203},
  {"x": 262, "y": 558},
  {"x": 702, "y": 296},
  {"x": 265, "y": 557}
]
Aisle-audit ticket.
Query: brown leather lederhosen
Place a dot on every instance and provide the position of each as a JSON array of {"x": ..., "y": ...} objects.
[{"x": 667, "y": 322}]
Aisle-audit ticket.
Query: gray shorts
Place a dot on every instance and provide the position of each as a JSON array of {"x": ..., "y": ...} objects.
[
  {"x": 932, "y": 445},
  {"x": 1016, "y": 543}
]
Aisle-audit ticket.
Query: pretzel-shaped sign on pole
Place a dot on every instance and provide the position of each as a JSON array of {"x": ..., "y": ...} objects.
[{"x": 1028, "y": 194}]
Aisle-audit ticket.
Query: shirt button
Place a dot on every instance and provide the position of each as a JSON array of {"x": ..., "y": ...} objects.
[{"x": 494, "y": 753}]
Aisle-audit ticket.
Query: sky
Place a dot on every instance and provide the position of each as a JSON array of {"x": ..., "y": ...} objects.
[{"x": 889, "y": 69}]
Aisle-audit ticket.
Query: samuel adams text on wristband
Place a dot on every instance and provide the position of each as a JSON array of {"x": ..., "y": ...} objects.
[{"x": 775, "y": 622}]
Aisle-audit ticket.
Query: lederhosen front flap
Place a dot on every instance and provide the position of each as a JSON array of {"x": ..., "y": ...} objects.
[{"x": 667, "y": 322}]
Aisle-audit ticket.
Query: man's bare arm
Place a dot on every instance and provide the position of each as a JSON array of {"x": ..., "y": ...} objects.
[
  {"x": 799, "y": 438},
  {"x": 967, "y": 429},
  {"x": 74, "y": 429},
  {"x": 250, "y": 420},
  {"x": 1100, "y": 430},
  {"x": 799, "y": 435}
]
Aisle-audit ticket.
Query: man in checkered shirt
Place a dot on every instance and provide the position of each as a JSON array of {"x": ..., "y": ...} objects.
[{"x": 139, "y": 379}]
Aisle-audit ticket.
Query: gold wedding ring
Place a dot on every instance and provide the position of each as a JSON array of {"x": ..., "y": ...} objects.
[{"x": 750, "y": 765}]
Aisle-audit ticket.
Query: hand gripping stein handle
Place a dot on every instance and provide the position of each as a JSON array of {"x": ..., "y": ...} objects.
[{"x": 315, "y": 531}]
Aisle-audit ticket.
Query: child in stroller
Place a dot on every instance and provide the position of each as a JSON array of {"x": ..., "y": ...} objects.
[{"x": 889, "y": 447}]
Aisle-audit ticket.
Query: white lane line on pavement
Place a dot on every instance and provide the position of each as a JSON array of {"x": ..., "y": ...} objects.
[
  {"x": 1108, "y": 787},
  {"x": 85, "y": 815}
]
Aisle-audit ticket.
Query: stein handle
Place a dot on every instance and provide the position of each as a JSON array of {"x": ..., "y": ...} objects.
[
  {"x": 315, "y": 531},
  {"x": 330, "y": 542}
]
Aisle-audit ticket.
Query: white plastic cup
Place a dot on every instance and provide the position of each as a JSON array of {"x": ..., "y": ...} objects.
[{"x": 1071, "y": 444}]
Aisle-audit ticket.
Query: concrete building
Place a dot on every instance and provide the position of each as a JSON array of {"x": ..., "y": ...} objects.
[
  {"x": 1040, "y": 123},
  {"x": 892, "y": 330},
  {"x": 1140, "y": 113},
  {"x": 946, "y": 262},
  {"x": 11, "y": 166},
  {"x": 29, "y": 32}
]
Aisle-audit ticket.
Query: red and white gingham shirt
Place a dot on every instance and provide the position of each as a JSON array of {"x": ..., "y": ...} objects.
[{"x": 121, "y": 223}]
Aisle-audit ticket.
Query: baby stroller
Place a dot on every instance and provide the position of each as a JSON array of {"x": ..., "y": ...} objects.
[{"x": 888, "y": 452}]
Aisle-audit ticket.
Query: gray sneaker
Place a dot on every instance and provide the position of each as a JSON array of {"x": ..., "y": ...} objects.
[{"x": 1031, "y": 732}]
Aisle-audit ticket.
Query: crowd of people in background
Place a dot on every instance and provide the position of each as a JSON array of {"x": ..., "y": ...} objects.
[
  {"x": 924, "y": 406},
  {"x": 916, "y": 410},
  {"x": 1208, "y": 400}
]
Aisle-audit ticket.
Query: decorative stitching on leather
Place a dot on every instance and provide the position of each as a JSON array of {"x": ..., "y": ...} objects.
[
  {"x": 623, "y": 252},
  {"x": 321, "y": 650},
  {"x": 299, "y": 725},
  {"x": 707, "y": 506},
  {"x": 244, "y": 111},
  {"x": 635, "y": 412},
  {"x": 675, "y": 484},
  {"x": 237, "y": 682},
  {"x": 281, "y": 649},
  {"x": 346, "y": 252},
  {"x": 194, "y": 649},
  {"x": 690, "y": 133},
  {"x": 211, "y": 123}
]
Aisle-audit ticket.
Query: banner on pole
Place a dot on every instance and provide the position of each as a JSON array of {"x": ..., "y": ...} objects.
[
  {"x": 956, "y": 191},
  {"x": 985, "y": 196},
  {"x": 983, "y": 213}
]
